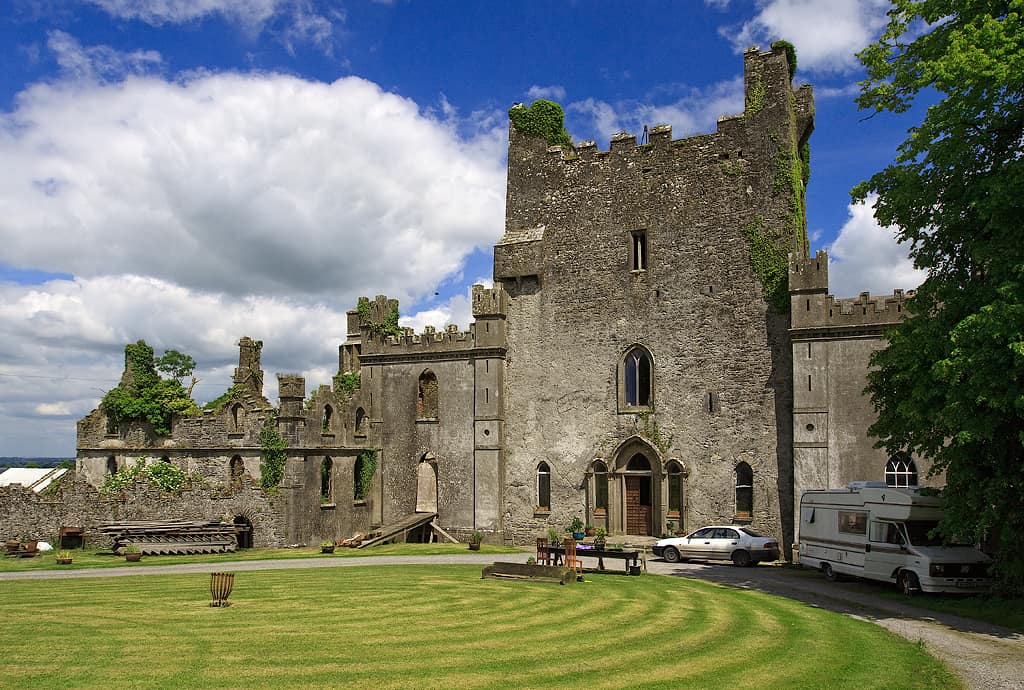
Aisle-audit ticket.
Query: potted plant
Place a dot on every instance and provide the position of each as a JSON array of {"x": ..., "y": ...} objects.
[
  {"x": 599, "y": 536},
  {"x": 531, "y": 561},
  {"x": 63, "y": 557},
  {"x": 554, "y": 538},
  {"x": 327, "y": 546},
  {"x": 576, "y": 528},
  {"x": 132, "y": 553},
  {"x": 475, "y": 540},
  {"x": 589, "y": 530}
]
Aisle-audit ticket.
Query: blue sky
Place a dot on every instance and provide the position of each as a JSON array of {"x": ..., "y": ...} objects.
[{"x": 191, "y": 171}]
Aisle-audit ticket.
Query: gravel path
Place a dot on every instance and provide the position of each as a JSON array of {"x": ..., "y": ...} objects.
[{"x": 986, "y": 656}]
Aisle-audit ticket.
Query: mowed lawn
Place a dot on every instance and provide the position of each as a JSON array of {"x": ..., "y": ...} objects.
[{"x": 432, "y": 626}]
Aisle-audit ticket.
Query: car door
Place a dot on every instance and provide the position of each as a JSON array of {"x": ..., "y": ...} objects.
[
  {"x": 698, "y": 544},
  {"x": 725, "y": 542}
]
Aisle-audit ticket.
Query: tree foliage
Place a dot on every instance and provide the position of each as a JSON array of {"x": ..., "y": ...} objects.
[
  {"x": 144, "y": 396},
  {"x": 950, "y": 384}
]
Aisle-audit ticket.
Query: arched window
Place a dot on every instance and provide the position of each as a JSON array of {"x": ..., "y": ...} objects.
[
  {"x": 639, "y": 463},
  {"x": 326, "y": 474},
  {"x": 325, "y": 424},
  {"x": 236, "y": 468},
  {"x": 111, "y": 426},
  {"x": 360, "y": 421},
  {"x": 636, "y": 378},
  {"x": 111, "y": 465},
  {"x": 543, "y": 486},
  {"x": 426, "y": 396},
  {"x": 675, "y": 489},
  {"x": 237, "y": 416},
  {"x": 600, "y": 486},
  {"x": 359, "y": 493},
  {"x": 165, "y": 459},
  {"x": 900, "y": 471},
  {"x": 744, "y": 490}
]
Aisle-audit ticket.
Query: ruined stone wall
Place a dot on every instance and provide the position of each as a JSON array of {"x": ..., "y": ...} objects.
[
  {"x": 76, "y": 503},
  {"x": 721, "y": 382}
]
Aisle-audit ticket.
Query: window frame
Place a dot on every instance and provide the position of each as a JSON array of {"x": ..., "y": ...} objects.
[
  {"x": 636, "y": 380},
  {"x": 543, "y": 485}
]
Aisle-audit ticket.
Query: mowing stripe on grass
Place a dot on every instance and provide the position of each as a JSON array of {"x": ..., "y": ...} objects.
[{"x": 439, "y": 626}]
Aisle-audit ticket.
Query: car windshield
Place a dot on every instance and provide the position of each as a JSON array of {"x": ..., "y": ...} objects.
[{"x": 751, "y": 532}]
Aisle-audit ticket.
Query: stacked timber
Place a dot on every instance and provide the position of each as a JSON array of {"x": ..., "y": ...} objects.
[{"x": 171, "y": 536}]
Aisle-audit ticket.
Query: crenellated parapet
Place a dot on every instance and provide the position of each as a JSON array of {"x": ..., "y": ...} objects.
[
  {"x": 817, "y": 314},
  {"x": 748, "y": 169},
  {"x": 489, "y": 301}
]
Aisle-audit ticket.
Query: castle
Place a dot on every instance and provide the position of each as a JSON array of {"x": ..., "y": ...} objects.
[{"x": 640, "y": 361}]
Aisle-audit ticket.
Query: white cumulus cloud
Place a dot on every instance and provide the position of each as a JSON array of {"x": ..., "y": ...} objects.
[
  {"x": 826, "y": 33},
  {"x": 866, "y": 257}
]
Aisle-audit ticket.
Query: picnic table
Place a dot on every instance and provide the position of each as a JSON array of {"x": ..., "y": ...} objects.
[{"x": 631, "y": 558}]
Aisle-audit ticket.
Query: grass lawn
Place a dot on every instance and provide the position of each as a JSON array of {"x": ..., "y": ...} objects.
[
  {"x": 429, "y": 626},
  {"x": 98, "y": 558}
]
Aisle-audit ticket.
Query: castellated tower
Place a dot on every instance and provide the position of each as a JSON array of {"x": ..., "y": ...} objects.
[
  {"x": 647, "y": 381},
  {"x": 833, "y": 340}
]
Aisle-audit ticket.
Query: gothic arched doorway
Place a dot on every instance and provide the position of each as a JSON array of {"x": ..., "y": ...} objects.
[
  {"x": 639, "y": 496},
  {"x": 426, "y": 484}
]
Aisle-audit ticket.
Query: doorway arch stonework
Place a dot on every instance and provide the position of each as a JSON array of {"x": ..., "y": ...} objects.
[{"x": 635, "y": 480}]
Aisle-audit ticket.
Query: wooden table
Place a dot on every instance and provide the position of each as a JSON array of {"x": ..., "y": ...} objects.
[{"x": 631, "y": 558}]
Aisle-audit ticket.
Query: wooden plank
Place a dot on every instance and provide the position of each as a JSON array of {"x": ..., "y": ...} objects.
[
  {"x": 388, "y": 532},
  {"x": 437, "y": 528}
]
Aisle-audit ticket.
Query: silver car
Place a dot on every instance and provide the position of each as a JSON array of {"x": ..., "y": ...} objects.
[{"x": 741, "y": 545}]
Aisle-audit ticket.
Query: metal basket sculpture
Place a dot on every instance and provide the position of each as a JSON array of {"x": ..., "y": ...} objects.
[{"x": 220, "y": 588}]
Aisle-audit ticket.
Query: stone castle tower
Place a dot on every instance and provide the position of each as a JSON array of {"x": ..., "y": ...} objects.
[{"x": 648, "y": 372}]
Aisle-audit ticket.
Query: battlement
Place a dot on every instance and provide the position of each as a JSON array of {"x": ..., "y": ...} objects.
[
  {"x": 817, "y": 315},
  {"x": 808, "y": 274},
  {"x": 489, "y": 301}
]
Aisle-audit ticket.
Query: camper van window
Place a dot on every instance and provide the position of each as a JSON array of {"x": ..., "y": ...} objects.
[
  {"x": 807, "y": 515},
  {"x": 853, "y": 522},
  {"x": 884, "y": 532},
  {"x": 918, "y": 531}
]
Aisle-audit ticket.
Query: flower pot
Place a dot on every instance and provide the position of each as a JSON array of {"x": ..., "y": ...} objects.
[
  {"x": 591, "y": 532},
  {"x": 133, "y": 557},
  {"x": 326, "y": 549},
  {"x": 577, "y": 536},
  {"x": 63, "y": 561},
  {"x": 599, "y": 544},
  {"x": 474, "y": 546}
]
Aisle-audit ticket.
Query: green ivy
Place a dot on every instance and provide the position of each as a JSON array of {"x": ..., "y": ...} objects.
[
  {"x": 544, "y": 119},
  {"x": 653, "y": 432},
  {"x": 366, "y": 472},
  {"x": 790, "y": 55},
  {"x": 145, "y": 396},
  {"x": 805, "y": 163},
  {"x": 232, "y": 394},
  {"x": 164, "y": 476},
  {"x": 274, "y": 454},
  {"x": 390, "y": 324},
  {"x": 756, "y": 97},
  {"x": 770, "y": 263},
  {"x": 346, "y": 384}
]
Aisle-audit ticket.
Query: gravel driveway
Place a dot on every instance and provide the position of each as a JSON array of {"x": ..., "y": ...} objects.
[{"x": 987, "y": 657}]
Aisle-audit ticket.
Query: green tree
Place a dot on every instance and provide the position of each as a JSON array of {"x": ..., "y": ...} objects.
[
  {"x": 144, "y": 396},
  {"x": 178, "y": 366},
  {"x": 950, "y": 384}
]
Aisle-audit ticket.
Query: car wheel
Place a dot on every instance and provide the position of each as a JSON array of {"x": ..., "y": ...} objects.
[
  {"x": 671, "y": 555},
  {"x": 741, "y": 559},
  {"x": 908, "y": 583},
  {"x": 830, "y": 574}
]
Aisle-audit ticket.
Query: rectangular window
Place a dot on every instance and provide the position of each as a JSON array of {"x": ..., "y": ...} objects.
[
  {"x": 853, "y": 522},
  {"x": 639, "y": 256}
]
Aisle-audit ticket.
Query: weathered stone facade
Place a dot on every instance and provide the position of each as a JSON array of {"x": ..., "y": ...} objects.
[{"x": 631, "y": 366}]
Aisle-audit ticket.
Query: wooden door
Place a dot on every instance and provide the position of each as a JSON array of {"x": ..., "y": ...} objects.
[{"x": 638, "y": 505}]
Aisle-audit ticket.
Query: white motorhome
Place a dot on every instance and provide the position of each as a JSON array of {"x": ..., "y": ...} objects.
[{"x": 880, "y": 532}]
